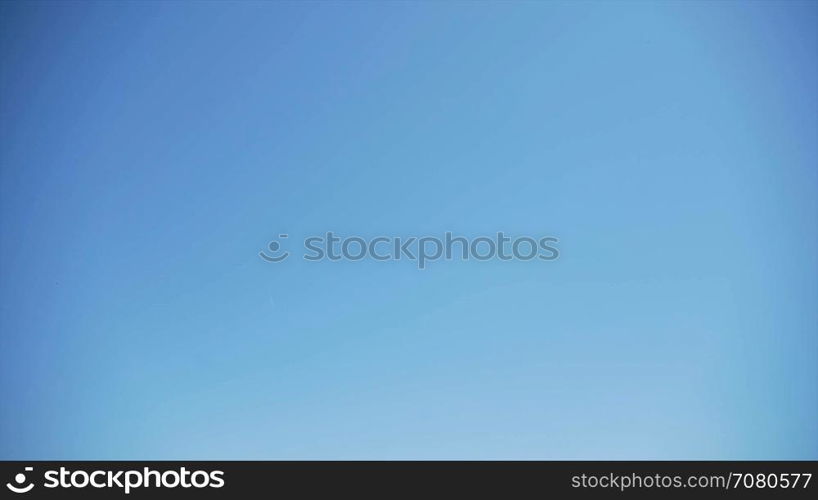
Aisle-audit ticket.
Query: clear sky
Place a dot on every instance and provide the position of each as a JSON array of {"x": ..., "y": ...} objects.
[{"x": 149, "y": 151}]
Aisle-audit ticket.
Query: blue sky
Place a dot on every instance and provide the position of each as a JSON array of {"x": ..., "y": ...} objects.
[{"x": 149, "y": 151}]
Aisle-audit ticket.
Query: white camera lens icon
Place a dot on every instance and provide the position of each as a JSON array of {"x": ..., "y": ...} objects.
[{"x": 19, "y": 479}]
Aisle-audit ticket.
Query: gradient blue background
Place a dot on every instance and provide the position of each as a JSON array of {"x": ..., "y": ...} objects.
[{"x": 149, "y": 151}]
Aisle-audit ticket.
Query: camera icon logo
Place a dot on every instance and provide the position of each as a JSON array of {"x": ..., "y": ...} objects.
[{"x": 19, "y": 479}]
